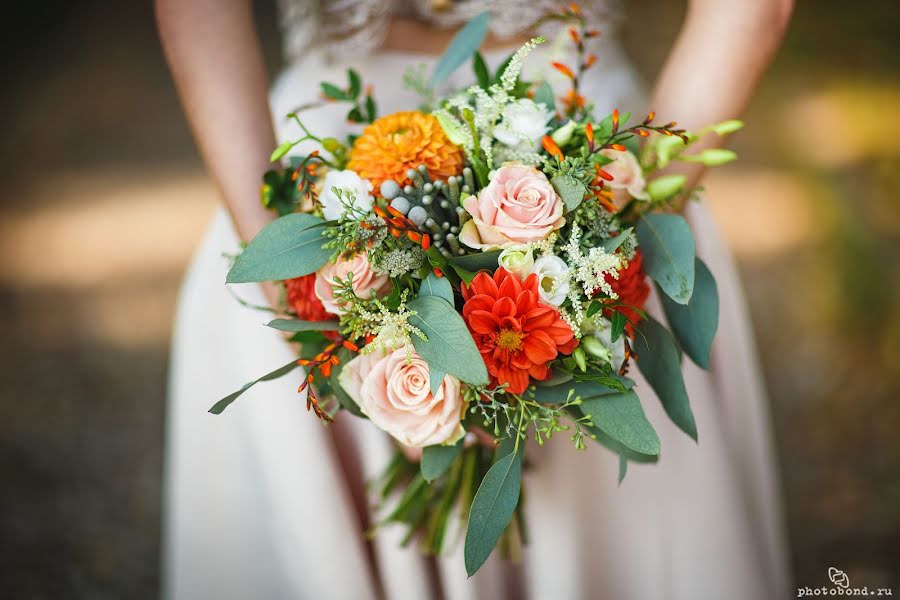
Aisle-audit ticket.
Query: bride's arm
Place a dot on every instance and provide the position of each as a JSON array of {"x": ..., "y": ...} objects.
[
  {"x": 723, "y": 49},
  {"x": 214, "y": 53}
]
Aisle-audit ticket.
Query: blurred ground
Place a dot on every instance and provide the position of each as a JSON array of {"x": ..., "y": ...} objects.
[{"x": 102, "y": 199}]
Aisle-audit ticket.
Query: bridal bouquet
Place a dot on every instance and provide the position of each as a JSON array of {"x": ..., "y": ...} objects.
[{"x": 472, "y": 274}]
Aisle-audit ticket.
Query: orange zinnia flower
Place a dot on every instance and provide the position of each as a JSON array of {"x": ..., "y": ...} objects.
[
  {"x": 396, "y": 143},
  {"x": 516, "y": 334}
]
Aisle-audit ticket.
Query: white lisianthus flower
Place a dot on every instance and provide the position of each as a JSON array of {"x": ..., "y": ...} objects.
[
  {"x": 524, "y": 123},
  {"x": 597, "y": 341},
  {"x": 553, "y": 279},
  {"x": 518, "y": 259},
  {"x": 348, "y": 181}
]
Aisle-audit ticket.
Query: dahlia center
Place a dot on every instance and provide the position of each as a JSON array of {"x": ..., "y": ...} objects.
[{"x": 510, "y": 339}]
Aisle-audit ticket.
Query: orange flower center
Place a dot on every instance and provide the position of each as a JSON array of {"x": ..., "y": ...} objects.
[{"x": 510, "y": 339}]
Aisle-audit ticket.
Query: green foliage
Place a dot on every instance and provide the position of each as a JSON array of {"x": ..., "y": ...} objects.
[
  {"x": 363, "y": 108},
  {"x": 659, "y": 361},
  {"x": 694, "y": 324},
  {"x": 482, "y": 76},
  {"x": 337, "y": 388},
  {"x": 617, "y": 321},
  {"x": 435, "y": 378},
  {"x": 279, "y": 192},
  {"x": 291, "y": 246},
  {"x": 492, "y": 509},
  {"x": 570, "y": 189},
  {"x": 668, "y": 248},
  {"x": 449, "y": 346},
  {"x": 463, "y": 45},
  {"x": 295, "y": 325},
  {"x": 711, "y": 157},
  {"x": 222, "y": 404},
  {"x": 437, "y": 459},
  {"x": 436, "y": 286},
  {"x": 621, "y": 417},
  {"x": 476, "y": 262},
  {"x": 544, "y": 95}
]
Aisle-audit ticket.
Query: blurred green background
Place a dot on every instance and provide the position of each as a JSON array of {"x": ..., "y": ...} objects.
[{"x": 102, "y": 199}]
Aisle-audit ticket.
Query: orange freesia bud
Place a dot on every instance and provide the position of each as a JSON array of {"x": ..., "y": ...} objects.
[
  {"x": 295, "y": 175},
  {"x": 643, "y": 133},
  {"x": 573, "y": 33},
  {"x": 438, "y": 272},
  {"x": 302, "y": 386},
  {"x": 619, "y": 147},
  {"x": 606, "y": 203},
  {"x": 414, "y": 236},
  {"x": 335, "y": 360},
  {"x": 350, "y": 346},
  {"x": 310, "y": 378},
  {"x": 370, "y": 89},
  {"x": 574, "y": 8},
  {"x": 326, "y": 369},
  {"x": 396, "y": 232},
  {"x": 396, "y": 213},
  {"x": 313, "y": 154},
  {"x": 589, "y": 61},
  {"x": 615, "y": 118},
  {"x": 551, "y": 147},
  {"x": 589, "y": 133},
  {"x": 603, "y": 174},
  {"x": 380, "y": 212},
  {"x": 591, "y": 33},
  {"x": 426, "y": 242},
  {"x": 302, "y": 362},
  {"x": 650, "y": 116},
  {"x": 563, "y": 69}
]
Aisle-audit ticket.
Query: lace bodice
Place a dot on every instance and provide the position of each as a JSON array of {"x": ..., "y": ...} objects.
[{"x": 360, "y": 25}]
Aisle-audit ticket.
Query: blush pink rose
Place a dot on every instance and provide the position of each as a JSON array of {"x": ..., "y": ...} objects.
[
  {"x": 364, "y": 281},
  {"x": 518, "y": 206},
  {"x": 394, "y": 391},
  {"x": 627, "y": 175}
]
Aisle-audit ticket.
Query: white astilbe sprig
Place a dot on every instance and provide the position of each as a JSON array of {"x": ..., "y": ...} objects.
[
  {"x": 590, "y": 270},
  {"x": 488, "y": 106},
  {"x": 392, "y": 330}
]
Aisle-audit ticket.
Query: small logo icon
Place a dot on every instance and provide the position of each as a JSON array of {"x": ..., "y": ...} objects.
[{"x": 838, "y": 577}]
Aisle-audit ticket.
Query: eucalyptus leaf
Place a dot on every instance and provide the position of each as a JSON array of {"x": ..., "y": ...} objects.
[
  {"x": 437, "y": 459},
  {"x": 463, "y": 45},
  {"x": 449, "y": 346},
  {"x": 493, "y": 507},
  {"x": 614, "y": 445},
  {"x": 659, "y": 361},
  {"x": 694, "y": 324},
  {"x": 621, "y": 417},
  {"x": 544, "y": 95},
  {"x": 290, "y": 246},
  {"x": 558, "y": 394},
  {"x": 477, "y": 262},
  {"x": 623, "y": 468},
  {"x": 612, "y": 244},
  {"x": 435, "y": 378},
  {"x": 436, "y": 286},
  {"x": 222, "y": 404},
  {"x": 570, "y": 189},
  {"x": 667, "y": 245},
  {"x": 295, "y": 325}
]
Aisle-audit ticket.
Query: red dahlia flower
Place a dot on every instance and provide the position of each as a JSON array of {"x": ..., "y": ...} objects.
[
  {"x": 516, "y": 334},
  {"x": 632, "y": 288},
  {"x": 301, "y": 296}
]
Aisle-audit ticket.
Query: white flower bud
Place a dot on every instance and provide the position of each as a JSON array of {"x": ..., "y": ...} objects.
[{"x": 517, "y": 259}]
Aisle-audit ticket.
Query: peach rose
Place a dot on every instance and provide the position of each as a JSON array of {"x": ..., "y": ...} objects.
[
  {"x": 364, "y": 281},
  {"x": 518, "y": 206},
  {"x": 393, "y": 390},
  {"x": 626, "y": 172}
]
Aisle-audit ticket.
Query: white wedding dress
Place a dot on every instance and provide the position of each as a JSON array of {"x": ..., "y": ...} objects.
[{"x": 258, "y": 506}]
